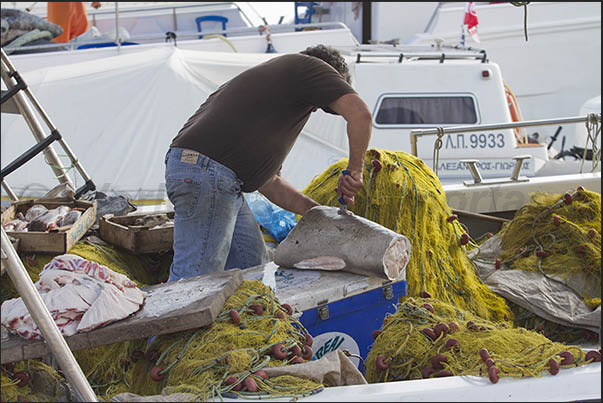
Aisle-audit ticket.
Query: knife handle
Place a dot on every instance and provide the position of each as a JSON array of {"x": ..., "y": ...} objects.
[{"x": 341, "y": 199}]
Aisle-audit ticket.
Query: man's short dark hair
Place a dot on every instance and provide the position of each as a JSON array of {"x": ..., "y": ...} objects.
[{"x": 330, "y": 56}]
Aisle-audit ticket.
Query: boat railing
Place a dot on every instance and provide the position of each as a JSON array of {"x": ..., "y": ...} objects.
[
  {"x": 150, "y": 38},
  {"x": 274, "y": 29},
  {"x": 434, "y": 55},
  {"x": 442, "y": 131}
]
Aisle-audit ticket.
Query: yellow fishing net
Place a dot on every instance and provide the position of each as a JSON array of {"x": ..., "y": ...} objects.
[
  {"x": 220, "y": 360},
  {"x": 224, "y": 359},
  {"x": 429, "y": 338},
  {"x": 32, "y": 381},
  {"x": 558, "y": 235},
  {"x": 403, "y": 194}
]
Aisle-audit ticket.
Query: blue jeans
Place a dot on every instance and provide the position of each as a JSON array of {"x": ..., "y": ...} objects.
[{"x": 214, "y": 229}]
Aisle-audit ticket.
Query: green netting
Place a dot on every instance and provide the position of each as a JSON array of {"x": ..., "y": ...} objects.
[
  {"x": 406, "y": 350},
  {"x": 403, "y": 194},
  {"x": 32, "y": 381},
  {"x": 201, "y": 361},
  {"x": 558, "y": 235}
]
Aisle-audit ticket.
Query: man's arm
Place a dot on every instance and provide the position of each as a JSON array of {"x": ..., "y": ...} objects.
[
  {"x": 283, "y": 194},
  {"x": 359, "y": 124}
]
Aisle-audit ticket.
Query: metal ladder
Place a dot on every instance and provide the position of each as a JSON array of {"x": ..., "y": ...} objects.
[{"x": 16, "y": 102}]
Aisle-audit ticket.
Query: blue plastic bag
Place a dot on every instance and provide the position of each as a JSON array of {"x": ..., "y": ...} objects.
[{"x": 277, "y": 221}]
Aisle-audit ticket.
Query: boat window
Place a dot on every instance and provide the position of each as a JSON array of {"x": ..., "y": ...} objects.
[{"x": 413, "y": 110}]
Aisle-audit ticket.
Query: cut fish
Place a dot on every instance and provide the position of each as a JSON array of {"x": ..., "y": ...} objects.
[
  {"x": 71, "y": 217},
  {"x": 99, "y": 314},
  {"x": 49, "y": 220},
  {"x": 81, "y": 295},
  {"x": 326, "y": 240},
  {"x": 35, "y": 211}
]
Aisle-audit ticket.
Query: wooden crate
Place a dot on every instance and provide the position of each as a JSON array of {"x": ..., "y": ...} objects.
[
  {"x": 56, "y": 241},
  {"x": 121, "y": 231}
]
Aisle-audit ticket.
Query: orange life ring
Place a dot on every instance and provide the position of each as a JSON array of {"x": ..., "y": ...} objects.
[{"x": 514, "y": 110}]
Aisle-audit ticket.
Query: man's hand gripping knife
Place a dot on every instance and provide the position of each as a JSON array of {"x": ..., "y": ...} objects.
[{"x": 348, "y": 185}]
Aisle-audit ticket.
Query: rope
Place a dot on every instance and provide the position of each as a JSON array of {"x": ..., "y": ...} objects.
[
  {"x": 592, "y": 126},
  {"x": 162, "y": 356},
  {"x": 515, "y": 352},
  {"x": 551, "y": 225},
  {"x": 223, "y": 38},
  {"x": 523, "y": 4},
  {"x": 436, "y": 149},
  {"x": 64, "y": 169},
  {"x": 416, "y": 204}
]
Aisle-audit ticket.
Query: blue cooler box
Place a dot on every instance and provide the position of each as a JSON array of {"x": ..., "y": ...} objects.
[{"x": 339, "y": 309}]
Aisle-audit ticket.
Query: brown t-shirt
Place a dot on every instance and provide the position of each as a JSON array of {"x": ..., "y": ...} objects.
[{"x": 251, "y": 122}]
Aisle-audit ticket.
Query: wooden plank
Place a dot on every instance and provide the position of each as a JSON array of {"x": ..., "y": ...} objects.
[
  {"x": 463, "y": 213},
  {"x": 79, "y": 228},
  {"x": 168, "y": 308},
  {"x": 8, "y": 214},
  {"x": 480, "y": 224}
]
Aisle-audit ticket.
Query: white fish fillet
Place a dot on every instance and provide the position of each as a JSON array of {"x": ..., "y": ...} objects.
[
  {"x": 88, "y": 288},
  {"x": 98, "y": 314},
  {"x": 81, "y": 295},
  {"x": 64, "y": 299}
]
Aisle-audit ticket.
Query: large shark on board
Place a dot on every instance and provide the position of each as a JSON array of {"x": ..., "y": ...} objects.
[{"x": 327, "y": 239}]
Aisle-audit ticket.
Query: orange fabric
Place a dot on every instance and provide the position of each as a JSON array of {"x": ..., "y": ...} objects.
[{"x": 71, "y": 16}]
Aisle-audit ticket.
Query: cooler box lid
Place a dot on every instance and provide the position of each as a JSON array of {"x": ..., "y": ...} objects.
[{"x": 307, "y": 289}]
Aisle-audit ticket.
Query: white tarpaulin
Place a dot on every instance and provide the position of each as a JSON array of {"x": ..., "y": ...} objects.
[{"x": 120, "y": 113}]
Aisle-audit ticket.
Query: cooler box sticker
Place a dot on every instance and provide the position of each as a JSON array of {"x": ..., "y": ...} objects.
[{"x": 331, "y": 341}]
